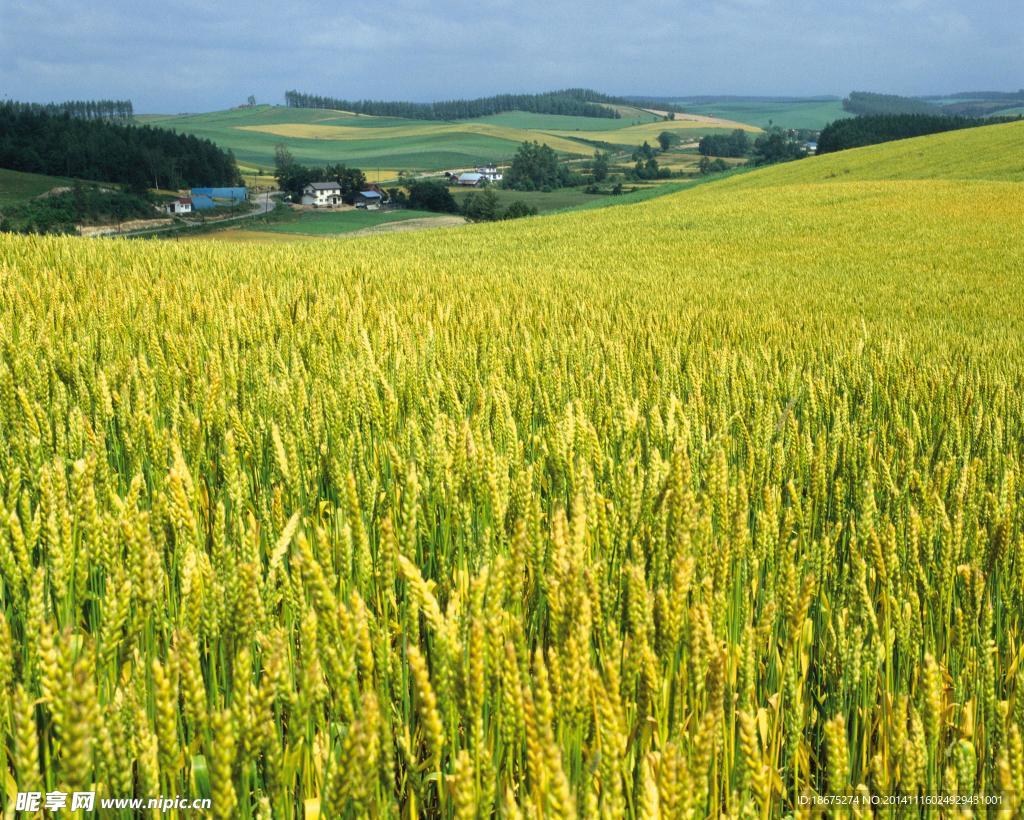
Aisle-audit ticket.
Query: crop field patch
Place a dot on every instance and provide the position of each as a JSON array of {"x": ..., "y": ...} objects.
[
  {"x": 687, "y": 128},
  {"x": 418, "y": 132}
]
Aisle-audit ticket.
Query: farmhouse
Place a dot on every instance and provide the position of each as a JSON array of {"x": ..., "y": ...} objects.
[
  {"x": 472, "y": 179},
  {"x": 371, "y": 200},
  {"x": 491, "y": 172},
  {"x": 181, "y": 205},
  {"x": 320, "y": 194}
]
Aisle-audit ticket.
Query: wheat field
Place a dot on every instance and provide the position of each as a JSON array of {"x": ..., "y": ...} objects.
[{"x": 697, "y": 507}]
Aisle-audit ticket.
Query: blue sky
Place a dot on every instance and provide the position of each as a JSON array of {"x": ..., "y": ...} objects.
[{"x": 195, "y": 55}]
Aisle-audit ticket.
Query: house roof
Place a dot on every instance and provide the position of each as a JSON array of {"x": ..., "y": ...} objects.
[
  {"x": 471, "y": 177},
  {"x": 370, "y": 194},
  {"x": 324, "y": 186}
]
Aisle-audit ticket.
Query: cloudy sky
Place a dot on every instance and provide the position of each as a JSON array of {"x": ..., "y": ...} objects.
[{"x": 194, "y": 55}]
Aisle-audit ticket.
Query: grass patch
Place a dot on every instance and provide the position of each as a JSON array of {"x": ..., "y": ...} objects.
[{"x": 330, "y": 223}]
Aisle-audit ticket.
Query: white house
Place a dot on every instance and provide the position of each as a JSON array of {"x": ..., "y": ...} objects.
[
  {"x": 181, "y": 205},
  {"x": 491, "y": 172},
  {"x": 321, "y": 194},
  {"x": 471, "y": 179}
]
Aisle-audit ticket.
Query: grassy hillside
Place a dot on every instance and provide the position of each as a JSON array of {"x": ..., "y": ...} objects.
[
  {"x": 993, "y": 152},
  {"x": 317, "y": 136},
  {"x": 696, "y": 507},
  {"x": 17, "y": 186}
]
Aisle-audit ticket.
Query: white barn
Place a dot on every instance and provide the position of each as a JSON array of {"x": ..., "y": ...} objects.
[{"x": 321, "y": 194}]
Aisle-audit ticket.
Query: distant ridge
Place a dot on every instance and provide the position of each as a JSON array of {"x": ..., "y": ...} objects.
[
  {"x": 711, "y": 99},
  {"x": 579, "y": 102}
]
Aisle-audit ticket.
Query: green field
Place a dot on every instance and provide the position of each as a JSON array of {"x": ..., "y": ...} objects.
[
  {"x": 987, "y": 153},
  {"x": 332, "y": 223},
  {"x": 554, "y": 201},
  {"x": 813, "y": 114},
  {"x": 17, "y": 186},
  {"x": 557, "y": 122}
]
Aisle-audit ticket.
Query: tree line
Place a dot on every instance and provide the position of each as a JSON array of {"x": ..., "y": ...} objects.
[
  {"x": 967, "y": 104},
  {"x": 870, "y": 130},
  {"x": 38, "y": 141},
  {"x": 869, "y": 103},
  {"x": 736, "y": 144},
  {"x": 578, "y": 102},
  {"x": 86, "y": 109}
]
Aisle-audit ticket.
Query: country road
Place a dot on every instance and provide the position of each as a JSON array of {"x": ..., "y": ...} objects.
[{"x": 264, "y": 205}]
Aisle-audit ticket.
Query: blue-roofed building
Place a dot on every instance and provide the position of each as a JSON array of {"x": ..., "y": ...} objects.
[
  {"x": 206, "y": 198},
  {"x": 371, "y": 200}
]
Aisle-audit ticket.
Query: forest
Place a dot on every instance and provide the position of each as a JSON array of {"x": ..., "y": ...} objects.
[
  {"x": 579, "y": 102},
  {"x": 39, "y": 140}
]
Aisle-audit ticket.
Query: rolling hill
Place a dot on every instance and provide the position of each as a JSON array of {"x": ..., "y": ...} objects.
[
  {"x": 17, "y": 186},
  {"x": 813, "y": 114},
  {"x": 319, "y": 136}
]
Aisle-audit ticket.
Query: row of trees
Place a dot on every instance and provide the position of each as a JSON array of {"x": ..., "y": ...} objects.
[
  {"x": 776, "y": 145},
  {"x": 967, "y": 104},
  {"x": 736, "y": 144},
  {"x": 42, "y": 142},
  {"x": 85, "y": 109},
  {"x": 484, "y": 206},
  {"x": 646, "y": 163},
  {"x": 293, "y": 177},
  {"x": 536, "y": 167},
  {"x": 579, "y": 102},
  {"x": 869, "y": 103}
]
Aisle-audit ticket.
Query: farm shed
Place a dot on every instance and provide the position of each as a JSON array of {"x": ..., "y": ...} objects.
[
  {"x": 371, "y": 200},
  {"x": 472, "y": 179},
  {"x": 181, "y": 205}
]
